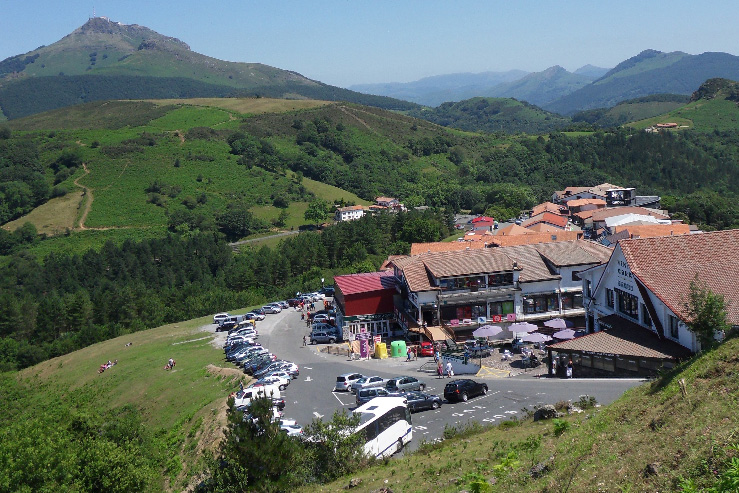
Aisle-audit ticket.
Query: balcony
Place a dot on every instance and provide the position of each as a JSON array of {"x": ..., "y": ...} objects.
[{"x": 502, "y": 293}]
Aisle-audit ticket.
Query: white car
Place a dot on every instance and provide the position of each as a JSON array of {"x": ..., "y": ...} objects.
[
  {"x": 279, "y": 373},
  {"x": 281, "y": 382},
  {"x": 291, "y": 427},
  {"x": 271, "y": 309},
  {"x": 220, "y": 317}
]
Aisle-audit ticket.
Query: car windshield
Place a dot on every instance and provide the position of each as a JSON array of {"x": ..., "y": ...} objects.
[{"x": 362, "y": 380}]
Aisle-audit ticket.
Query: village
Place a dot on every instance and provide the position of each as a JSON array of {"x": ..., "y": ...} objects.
[{"x": 597, "y": 278}]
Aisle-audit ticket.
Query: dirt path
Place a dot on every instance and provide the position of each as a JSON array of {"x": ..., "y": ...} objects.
[
  {"x": 351, "y": 114},
  {"x": 87, "y": 198}
]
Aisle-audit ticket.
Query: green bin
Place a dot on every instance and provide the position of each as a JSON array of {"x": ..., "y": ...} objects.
[{"x": 398, "y": 349}]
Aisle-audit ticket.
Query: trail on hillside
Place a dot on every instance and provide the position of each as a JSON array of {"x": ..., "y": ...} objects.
[
  {"x": 88, "y": 195},
  {"x": 351, "y": 114}
]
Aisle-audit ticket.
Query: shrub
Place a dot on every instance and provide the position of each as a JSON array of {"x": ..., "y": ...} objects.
[{"x": 560, "y": 426}]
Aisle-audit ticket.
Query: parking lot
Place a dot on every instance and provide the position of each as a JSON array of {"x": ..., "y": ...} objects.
[{"x": 310, "y": 395}]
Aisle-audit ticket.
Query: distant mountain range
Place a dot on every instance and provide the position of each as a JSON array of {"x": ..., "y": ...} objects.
[
  {"x": 557, "y": 90},
  {"x": 104, "y": 59}
]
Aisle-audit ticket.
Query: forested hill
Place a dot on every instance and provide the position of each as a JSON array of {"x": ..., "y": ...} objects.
[
  {"x": 138, "y": 63},
  {"x": 493, "y": 115}
]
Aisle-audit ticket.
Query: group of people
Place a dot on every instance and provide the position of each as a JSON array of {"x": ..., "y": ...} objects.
[
  {"x": 107, "y": 365},
  {"x": 440, "y": 369},
  {"x": 412, "y": 354},
  {"x": 170, "y": 364}
]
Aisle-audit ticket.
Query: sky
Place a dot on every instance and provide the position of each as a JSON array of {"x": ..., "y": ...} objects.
[{"x": 345, "y": 42}]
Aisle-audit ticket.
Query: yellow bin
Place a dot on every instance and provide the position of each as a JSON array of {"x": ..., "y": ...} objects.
[{"x": 381, "y": 350}]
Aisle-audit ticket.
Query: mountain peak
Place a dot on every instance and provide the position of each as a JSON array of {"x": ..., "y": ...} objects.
[{"x": 98, "y": 29}]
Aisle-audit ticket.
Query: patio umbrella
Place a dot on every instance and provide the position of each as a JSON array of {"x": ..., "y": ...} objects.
[
  {"x": 536, "y": 337},
  {"x": 487, "y": 331},
  {"x": 522, "y": 327},
  {"x": 565, "y": 334},
  {"x": 556, "y": 323}
]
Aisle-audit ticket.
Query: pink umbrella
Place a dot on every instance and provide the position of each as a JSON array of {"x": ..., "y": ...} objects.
[
  {"x": 522, "y": 327},
  {"x": 564, "y": 334},
  {"x": 536, "y": 337},
  {"x": 556, "y": 323},
  {"x": 487, "y": 331}
]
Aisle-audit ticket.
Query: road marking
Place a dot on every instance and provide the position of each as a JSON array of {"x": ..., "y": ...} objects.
[
  {"x": 307, "y": 368},
  {"x": 457, "y": 414},
  {"x": 489, "y": 420},
  {"x": 498, "y": 416},
  {"x": 419, "y": 427},
  {"x": 511, "y": 412},
  {"x": 468, "y": 411},
  {"x": 337, "y": 398},
  {"x": 319, "y": 416},
  {"x": 308, "y": 379}
]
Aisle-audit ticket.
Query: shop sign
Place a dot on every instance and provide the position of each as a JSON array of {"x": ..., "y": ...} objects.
[{"x": 369, "y": 318}]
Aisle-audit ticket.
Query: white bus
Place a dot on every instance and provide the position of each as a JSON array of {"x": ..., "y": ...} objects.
[{"x": 386, "y": 424}]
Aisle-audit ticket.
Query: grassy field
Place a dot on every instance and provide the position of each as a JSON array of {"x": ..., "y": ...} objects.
[
  {"x": 54, "y": 217},
  {"x": 250, "y": 106},
  {"x": 703, "y": 115},
  {"x": 187, "y": 404}
]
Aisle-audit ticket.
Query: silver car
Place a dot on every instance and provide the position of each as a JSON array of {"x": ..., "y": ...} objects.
[
  {"x": 344, "y": 382},
  {"x": 402, "y": 384},
  {"x": 368, "y": 382}
]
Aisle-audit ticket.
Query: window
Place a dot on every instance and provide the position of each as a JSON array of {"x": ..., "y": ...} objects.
[
  {"x": 577, "y": 300},
  {"x": 674, "y": 327},
  {"x": 501, "y": 279},
  {"x": 645, "y": 318},
  {"x": 628, "y": 304},
  {"x": 576, "y": 276},
  {"x": 609, "y": 298},
  {"x": 587, "y": 289}
]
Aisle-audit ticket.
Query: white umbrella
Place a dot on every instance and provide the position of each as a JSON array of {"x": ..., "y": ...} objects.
[
  {"x": 536, "y": 337},
  {"x": 556, "y": 323},
  {"x": 564, "y": 334},
  {"x": 522, "y": 327},
  {"x": 487, "y": 331}
]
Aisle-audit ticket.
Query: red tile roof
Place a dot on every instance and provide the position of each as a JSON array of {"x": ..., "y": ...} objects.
[
  {"x": 548, "y": 207},
  {"x": 447, "y": 246},
  {"x": 602, "y": 214},
  {"x": 514, "y": 229},
  {"x": 533, "y": 237},
  {"x": 625, "y": 338},
  {"x": 582, "y": 202},
  {"x": 650, "y": 230},
  {"x": 482, "y": 218},
  {"x": 546, "y": 217},
  {"x": 667, "y": 264},
  {"x": 365, "y": 283}
]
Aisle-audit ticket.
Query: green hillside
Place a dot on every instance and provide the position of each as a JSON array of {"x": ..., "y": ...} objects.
[
  {"x": 657, "y": 437},
  {"x": 650, "y": 72},
  {"x": 493, "y": 115},
  {"x": 714, "y": 106},
  {"x": 108, "y": 60},
  {"x": 632, "y": 110}
]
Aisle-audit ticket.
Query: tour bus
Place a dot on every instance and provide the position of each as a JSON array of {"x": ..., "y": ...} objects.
[{"x": 386, "y": 423}]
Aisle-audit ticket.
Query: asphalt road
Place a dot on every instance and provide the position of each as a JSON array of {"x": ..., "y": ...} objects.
[{"x": 310, "y": 396}]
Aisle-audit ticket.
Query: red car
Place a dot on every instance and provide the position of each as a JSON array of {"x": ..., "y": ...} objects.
[{"x": 427, "y": 349}]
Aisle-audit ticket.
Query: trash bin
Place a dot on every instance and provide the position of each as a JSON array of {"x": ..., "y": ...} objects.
[
  {"x": 380, "y": 350},
  {"x": 398, "y": 349}
]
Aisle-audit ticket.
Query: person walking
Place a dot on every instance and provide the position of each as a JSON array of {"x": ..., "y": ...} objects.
[
  {"x": 305, "y": 340},
  {"x": 408, "y": 354},
  {"x": 569, "y": 369},
  {"x": 439, "y": 369},
  {"x": 449, "y": 370}
]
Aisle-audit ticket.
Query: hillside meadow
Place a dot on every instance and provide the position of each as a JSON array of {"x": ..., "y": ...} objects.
[{"x": 181, "y": 412}]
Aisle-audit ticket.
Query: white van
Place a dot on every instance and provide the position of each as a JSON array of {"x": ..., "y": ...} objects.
[{"x": 244, "y": 397}]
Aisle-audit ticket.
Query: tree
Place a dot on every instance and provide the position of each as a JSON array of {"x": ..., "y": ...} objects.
[
  {"x": 317, "y": 211},
  {"x": 706, "y": 313}
]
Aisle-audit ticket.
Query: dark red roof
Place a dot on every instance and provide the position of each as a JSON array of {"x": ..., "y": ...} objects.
[
  {"x": 367, "y": 282},
  {"x": 482, "y": 218}
]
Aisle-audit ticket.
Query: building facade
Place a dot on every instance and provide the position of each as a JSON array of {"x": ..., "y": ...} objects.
[
  {"x": 364, "y": 303},
  {"x": 646, "y": 282}
]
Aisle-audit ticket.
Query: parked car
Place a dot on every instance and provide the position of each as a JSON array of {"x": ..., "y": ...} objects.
[
  {"x": 463, "y": 389},
  {"x": 293, "y": 302},
  {"x": 220, "y": 317},
  {"x": 280, "y": 373},
  {"x": 290, "y": 427},
  {"x": 271, "y": 309},
  {"x": 225, "y": 325},
  {"x": 366, "y": 395},
  {"x": 272, "y": 379},
  {"x": 321, "y": 337},
  {"x": 255, "y": 315},
  {"x": 420, "y": 401},
  {"x": 328, "y": 291},
  {"x": 368, "y": 382},
  {"x": 344, "y": 382},
  {"x": 399, "y": 384},
  {"x": 427, "y": 349}
]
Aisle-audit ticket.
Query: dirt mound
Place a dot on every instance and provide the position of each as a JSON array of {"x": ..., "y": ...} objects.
[{"x": 225, "y": 372}]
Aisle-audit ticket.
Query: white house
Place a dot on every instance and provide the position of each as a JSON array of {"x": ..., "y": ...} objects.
[
  {"x": 349, "y": 213},
  {"x": 646, "y": 283}
]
